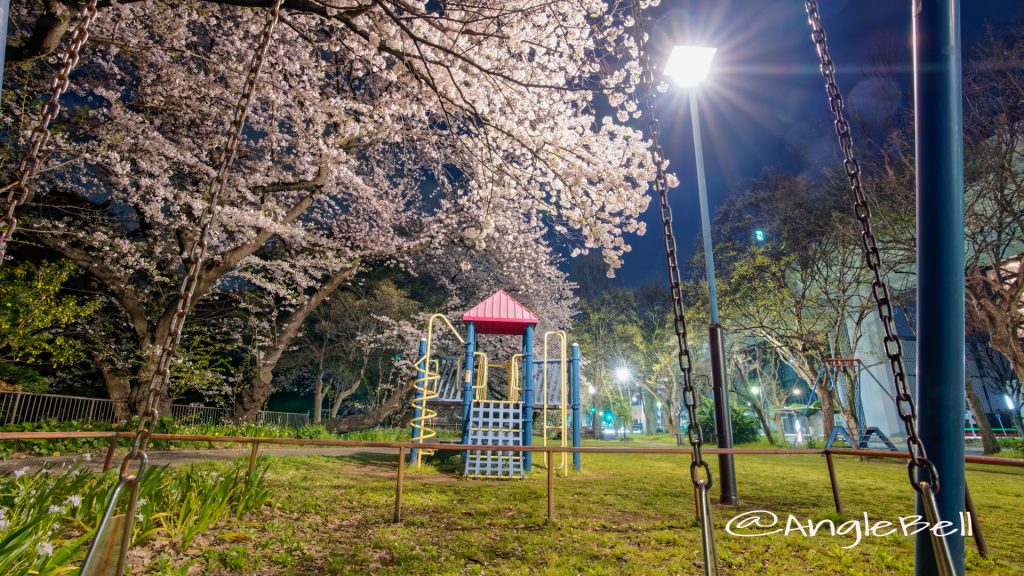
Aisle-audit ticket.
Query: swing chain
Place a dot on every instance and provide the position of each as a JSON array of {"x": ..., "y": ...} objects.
[
  {"x": 197, "y": 252},
  {"x": 879, "y": 289},
  {"x": 693, "y": 431},
  {"x": 40, "y": 135}
]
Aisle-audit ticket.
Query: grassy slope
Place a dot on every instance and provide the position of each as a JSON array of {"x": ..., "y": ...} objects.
[{"x": 624, "y": 515}]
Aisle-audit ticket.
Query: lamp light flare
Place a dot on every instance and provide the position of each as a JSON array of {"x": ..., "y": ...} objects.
[
  {"x": 622, "y": 373},
  {"x": 688, "y": 66},
  {"x": 796, "y": 391}
]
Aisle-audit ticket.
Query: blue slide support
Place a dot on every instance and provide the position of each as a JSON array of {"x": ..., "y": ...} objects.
[
  {"x": 416, "y": 413},
  {"x": 528, "y": 397},
  {"x": 467, "y": 381},
  {"x": 574, "y": 369}
]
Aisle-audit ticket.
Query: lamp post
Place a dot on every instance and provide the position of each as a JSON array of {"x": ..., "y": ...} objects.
[{"x": 688, "y": 66}]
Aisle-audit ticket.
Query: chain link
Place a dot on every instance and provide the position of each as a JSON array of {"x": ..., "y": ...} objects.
[
  {"x": 40, "y": 135},
  {"x": 197, "y": 252},
  {"x": 693, "y": 432},
  {"x": 872, "y": 257}
]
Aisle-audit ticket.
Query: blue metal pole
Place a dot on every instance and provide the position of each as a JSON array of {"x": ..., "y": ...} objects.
[
  {"x": 576, "y": 423},
  {"x": 416, "y": 412},
  {"x": 723, "y": 415},
  {"x": 939, "y": 165},
  {"x": 467, "y": 381},
  {"x": 528, "y": 397},
  {"x": 5, "y": 15}
]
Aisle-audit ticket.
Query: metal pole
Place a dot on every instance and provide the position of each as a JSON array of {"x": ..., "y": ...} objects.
[
  {"x": 398, "y": 485},
  {"x": 467, "y": 380},
  {"x": 421, "y": 373},
  {"x": 252, "y": 456},
  {"x": 835, "y": 483},
  {"x": 938, "y": 131},
  {"x": 979, "y": 538},
  {"x": 576, "y": 422},
  {"x": 528, "y": 397},
  {"x": 551, "y": 485},
  {"x": 5, "y": 15},
  {"x": 723, "y": 418}
]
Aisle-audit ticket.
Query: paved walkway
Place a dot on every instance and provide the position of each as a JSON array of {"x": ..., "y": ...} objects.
[{"x": 179, "y": 457}]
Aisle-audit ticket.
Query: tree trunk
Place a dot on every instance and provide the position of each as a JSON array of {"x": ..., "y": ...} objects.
[
  {"x": 372, "y": 418},
  {"x": 318, "y": 396},
  {"x": 779, "y": 428},
  {"x": 828, "y": 410},
  {"x": 260, "y": 380},
  {"x": 650, "y": 418},
  {"x": 119, "y": 388},
  {"x": 255, "y": 395},
  {"x": 764, "y": 422},
  {"x": 343, "y": 394},
  {"x": 668, "y": 415},
  {"x": 989, "y": 444},
  {"x": 850, "y": 410}
]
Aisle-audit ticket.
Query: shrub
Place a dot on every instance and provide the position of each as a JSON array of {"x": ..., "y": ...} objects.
[
  {"x": 745, "y": 427},
  {"x": 47, "y": 519}
]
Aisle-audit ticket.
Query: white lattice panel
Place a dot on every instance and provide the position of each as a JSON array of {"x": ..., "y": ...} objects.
[{"x": 495, "y": 423}]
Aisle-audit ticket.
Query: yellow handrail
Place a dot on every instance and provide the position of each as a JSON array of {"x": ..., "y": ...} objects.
[
  {"x": 480, "y": 386},
  {"x": 563, "y": 427},
  {"x": 515, "y": 382},
  {"x": 426, "y": 386}
]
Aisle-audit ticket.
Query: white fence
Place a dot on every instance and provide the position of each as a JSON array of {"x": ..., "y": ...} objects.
[{"x": 18, "y": 407}]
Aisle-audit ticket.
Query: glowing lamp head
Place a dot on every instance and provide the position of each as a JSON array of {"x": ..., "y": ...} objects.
[
  {"x": 689, "y": 65},
  {"x": 622, "y": 373},
  {"x": 591, "y": 389},
  {"x": 796, "y": 391},
  {"x": 755, "y": 390}
]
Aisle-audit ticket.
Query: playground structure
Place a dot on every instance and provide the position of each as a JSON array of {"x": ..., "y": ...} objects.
[
  {"x": 940, "y": 323},
  {"x": 842, "y": 375},
  {"x": 495, "y": 413}
]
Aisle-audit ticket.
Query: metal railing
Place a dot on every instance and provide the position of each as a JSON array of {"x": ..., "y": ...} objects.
[
  {"x": 403, "y": 448},
  {"x": 19, "y": 407}
]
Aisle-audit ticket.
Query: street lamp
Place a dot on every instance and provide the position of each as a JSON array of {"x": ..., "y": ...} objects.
[
  {"x": 688, "y": 66},
  {"x": 622, "y": 374}
]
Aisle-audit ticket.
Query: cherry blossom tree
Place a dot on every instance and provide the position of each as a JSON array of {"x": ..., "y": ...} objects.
[{"x": 380, "y": 130}]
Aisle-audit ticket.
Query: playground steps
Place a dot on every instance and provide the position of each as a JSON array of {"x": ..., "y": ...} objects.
[{"x": 495, "y": 423}]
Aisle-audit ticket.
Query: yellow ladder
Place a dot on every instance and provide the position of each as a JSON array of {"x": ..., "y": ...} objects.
[
  {"x": 562, "y": 425},
  {"x": 426, "y": 386}
]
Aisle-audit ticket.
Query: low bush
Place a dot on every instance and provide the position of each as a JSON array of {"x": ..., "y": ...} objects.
[
  {"x": 48, "y": 517},
  {"x": 745, "y": 426},
  {"x": 1015, "y": 446}
]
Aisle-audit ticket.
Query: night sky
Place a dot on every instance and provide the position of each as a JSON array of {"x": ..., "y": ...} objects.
[{"x": 765, "y": 105}]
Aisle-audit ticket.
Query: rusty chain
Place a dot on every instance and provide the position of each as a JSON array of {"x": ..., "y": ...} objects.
[
  {"x": 693, "y": 431},
  {"x": 197, "y": 252},
  {"x": 40, "y": 135},
  {"x": 872, "y": 257}
]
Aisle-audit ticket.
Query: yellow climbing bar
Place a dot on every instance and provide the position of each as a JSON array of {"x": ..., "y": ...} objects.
[
  {"x": 563, "y": 426},
  {"x": 480, "y": 384},
  {"x": 426, "y": 385}
]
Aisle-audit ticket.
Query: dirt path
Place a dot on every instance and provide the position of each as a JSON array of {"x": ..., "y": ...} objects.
[{"x": 179, "y": 457}]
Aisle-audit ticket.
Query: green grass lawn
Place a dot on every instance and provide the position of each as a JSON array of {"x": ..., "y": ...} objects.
[{"x": 625, "y": 514}]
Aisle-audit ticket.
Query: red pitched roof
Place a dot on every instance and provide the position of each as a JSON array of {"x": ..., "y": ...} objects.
[{"x": 500, "y": 314}]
